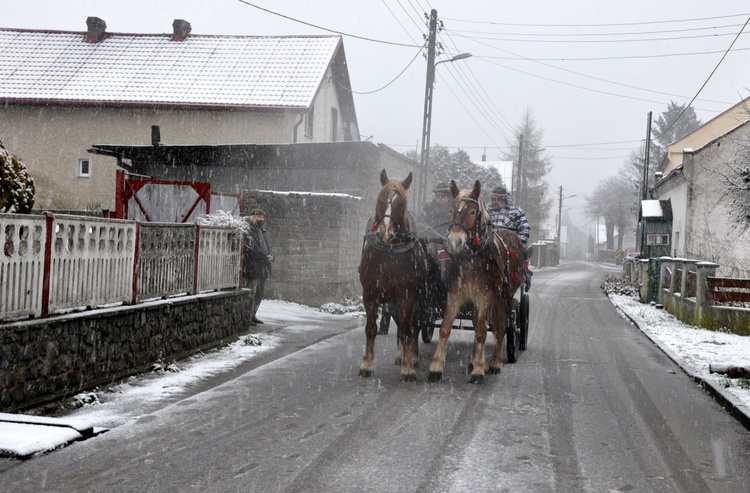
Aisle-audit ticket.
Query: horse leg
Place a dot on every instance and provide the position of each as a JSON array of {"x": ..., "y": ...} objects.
[
  {"x": 407, "y": 340},
  {"x": 437, "y": 366},
  {"x": 371, "y": 328},
  {"x": 499, "y": 323},
  {"x": 480, "y": 337}
]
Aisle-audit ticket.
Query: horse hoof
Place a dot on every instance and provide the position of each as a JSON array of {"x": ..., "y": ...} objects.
[
  {"x": 494, "y": 371},
  {"x": 477, "y": 379},
  {"x": 365, "y": 373},
  {"x": 408, "y": 377},
  {"x": 435, "y": 376},
  {"x": 470, "y": 368}
]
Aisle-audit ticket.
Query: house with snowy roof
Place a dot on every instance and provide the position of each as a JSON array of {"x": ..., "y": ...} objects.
[
  {"x": 62, "y": 92},
  {"x": 696, "y": 178}
]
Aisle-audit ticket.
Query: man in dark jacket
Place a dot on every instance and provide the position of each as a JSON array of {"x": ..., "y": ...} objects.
[
  {"x": 435, "y": 215},
  {"x": 258, "y": 256}
]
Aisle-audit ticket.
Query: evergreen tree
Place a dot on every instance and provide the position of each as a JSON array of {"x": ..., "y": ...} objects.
[
  {"x": 677, "y": 121},
  {"x": 16, "y": 186},
  {"x": 534, "y": 198}
]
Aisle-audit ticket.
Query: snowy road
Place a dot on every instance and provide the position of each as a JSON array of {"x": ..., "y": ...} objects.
[{"x": 592, "y": 405}]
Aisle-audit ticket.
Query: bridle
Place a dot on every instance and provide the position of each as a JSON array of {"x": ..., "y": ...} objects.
[
  {"x": 480, "y": 235},
  {"x": 400, "y": 240}
]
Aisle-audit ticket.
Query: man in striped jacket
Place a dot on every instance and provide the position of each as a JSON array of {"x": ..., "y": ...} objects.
[{"x": 503, "y": 214}]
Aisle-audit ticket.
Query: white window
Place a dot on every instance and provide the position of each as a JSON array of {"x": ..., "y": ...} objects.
[
  {"x": 84, "y": 167},
  {"x": 655, "y": 239},
  {"x": 309, "y": 117},
  {"x": 334, "y": 125}
]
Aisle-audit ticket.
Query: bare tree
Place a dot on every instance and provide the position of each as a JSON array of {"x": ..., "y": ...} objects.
[{"x": 612, "y": 201}]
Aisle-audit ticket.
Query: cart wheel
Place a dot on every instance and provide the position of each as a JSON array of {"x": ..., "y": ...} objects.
[
  {"x": 524, "y": 322},
  {"x": 512, "y": 334}
]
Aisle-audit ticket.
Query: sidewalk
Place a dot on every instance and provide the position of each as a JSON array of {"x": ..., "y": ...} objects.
[
  {"x": 288, "y": 328},
  {"x": 696, "y": 351}
]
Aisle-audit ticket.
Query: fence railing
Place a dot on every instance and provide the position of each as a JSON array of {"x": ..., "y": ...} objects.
[
  {"x": 51, "y": 263},
  {"x": 690, "y": 290}
]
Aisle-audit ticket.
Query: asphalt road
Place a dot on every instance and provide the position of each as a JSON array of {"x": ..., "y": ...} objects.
[{"x": 591, "y": 406}]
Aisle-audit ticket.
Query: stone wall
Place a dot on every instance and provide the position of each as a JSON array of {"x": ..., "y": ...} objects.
[
  {"x": 318, "y": 241},
  {"x": 48, "y": 359}
]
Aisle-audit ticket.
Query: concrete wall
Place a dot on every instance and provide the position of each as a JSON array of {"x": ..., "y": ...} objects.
[
  {"x": 48, "y": 359},
  {"x": 318, "y": 241}
]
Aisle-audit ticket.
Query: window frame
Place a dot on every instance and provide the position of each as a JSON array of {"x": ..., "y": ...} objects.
[{"x": 79, "y": 167}]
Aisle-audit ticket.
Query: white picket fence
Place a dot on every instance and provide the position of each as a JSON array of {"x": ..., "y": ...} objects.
[{"x": 53, "y": 263}]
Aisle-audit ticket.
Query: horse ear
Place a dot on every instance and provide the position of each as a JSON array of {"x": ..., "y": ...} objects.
[
  {"x": 407, "y": 182},
  {"x": 383, "y": 177},
  {"x": 454, "y": 189},
  {"x": 477, "y": 190}
]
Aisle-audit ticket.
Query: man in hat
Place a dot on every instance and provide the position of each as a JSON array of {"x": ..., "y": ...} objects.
[
  {"x": 503, "y": 214},
  {"x": 434, "y": 217},
  {"x": 257, "y": 258}
]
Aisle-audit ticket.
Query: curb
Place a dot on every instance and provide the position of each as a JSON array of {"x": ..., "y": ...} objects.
[{"x": 737, "y": 409}]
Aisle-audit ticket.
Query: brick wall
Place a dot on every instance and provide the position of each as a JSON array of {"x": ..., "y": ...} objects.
[{"x": 48, "y": 359}]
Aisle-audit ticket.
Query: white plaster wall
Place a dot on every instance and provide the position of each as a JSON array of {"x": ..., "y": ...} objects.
[{"x": 713, "y": 233}]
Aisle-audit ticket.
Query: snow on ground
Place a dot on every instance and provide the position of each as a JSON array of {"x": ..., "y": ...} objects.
[{"x": 693, "y": 348}]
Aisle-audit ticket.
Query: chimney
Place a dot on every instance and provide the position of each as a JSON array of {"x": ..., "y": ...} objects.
[
  {"x": 155, "y": 135},
  {"x": 180, "y": 29},
  {"x": 96, "y": 28}
]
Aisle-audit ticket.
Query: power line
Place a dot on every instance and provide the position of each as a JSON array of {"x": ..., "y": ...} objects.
[
  {"x": 704, "y": 84},
  {"x": 388, "y": 84},
  {"x": 644, "y": 23},
  {"x": 595, "y": 41},
  {"x": 638, "y": 33},
  {"x": 327, "y": 29},
  {"x": 623, "y": 57}
]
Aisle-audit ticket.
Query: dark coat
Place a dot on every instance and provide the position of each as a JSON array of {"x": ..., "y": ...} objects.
[
  {"x": 258, "y": 246},
  {"x": 434, "y": 219}
]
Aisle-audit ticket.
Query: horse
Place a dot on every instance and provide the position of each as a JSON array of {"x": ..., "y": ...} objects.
[
  {"x": 394, "y": 267},
  {"x": 486, "y": 272}
]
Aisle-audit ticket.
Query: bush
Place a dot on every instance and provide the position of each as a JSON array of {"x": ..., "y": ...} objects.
[{"x": 16, "y": 186}]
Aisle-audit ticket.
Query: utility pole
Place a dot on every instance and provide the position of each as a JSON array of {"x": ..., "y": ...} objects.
[
  {"x": 644, "y": 183},
  {"x": 516, "y": 185},
  {"x": 644, "y": 187},
  {"x": 559, "y": 226},
  {"x": 427, "y": 121}
]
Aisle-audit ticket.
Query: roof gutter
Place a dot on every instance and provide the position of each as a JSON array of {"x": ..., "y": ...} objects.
[{"x": 296, "y": 126}]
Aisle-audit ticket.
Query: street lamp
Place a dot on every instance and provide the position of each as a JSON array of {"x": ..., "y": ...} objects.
[
  {"x": 427, "y": 121},
  {"x": 559, "y": 223}
]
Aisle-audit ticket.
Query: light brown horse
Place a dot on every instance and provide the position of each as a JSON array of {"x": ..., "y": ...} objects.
[
  {"x": 394, "y": 267},
  {"x": 485, "y": 274}
]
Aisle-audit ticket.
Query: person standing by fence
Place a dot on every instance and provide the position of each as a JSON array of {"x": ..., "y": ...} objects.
[{"x": 258, "y": 256}]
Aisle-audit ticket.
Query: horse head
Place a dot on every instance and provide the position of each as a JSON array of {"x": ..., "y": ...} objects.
[
  {"x": 391, "y": 221},
  {"x": 468, "y": 220}
]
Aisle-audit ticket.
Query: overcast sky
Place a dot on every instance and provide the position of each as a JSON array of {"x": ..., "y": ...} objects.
[{"x": 589, "y": 71}]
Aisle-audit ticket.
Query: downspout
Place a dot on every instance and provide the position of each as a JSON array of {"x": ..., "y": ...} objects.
[{"x": 296, "y": 126}]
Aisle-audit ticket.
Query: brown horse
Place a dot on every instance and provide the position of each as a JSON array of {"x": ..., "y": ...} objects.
[
  {"x": 394, "y": 267},
  {"x": 485, "y": 274}
]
